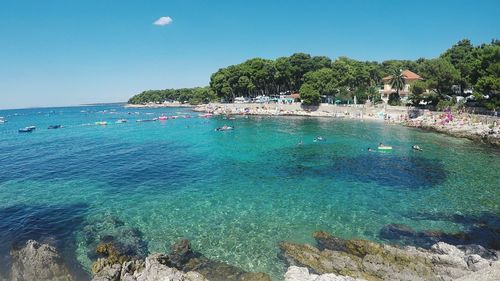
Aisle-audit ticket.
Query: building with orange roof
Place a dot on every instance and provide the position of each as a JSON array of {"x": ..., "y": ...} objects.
[{"x": 409, "y": 76}]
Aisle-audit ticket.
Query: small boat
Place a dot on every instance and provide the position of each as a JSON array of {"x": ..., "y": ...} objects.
[
  {"x": 206, "y": 115},
  {"x": 384, "y": 147},
  {"x": 225, "y": 128},
  {"x": 27, "y": 129},
  {"x": 187, "y": 116},
  {"x": 120, "y": 121},
  {"x": 162, "y": 118},
  {"x": 54, "y": 127},
  {"x": 147, "y": 120},
  {"x": 103, "y": 123}
]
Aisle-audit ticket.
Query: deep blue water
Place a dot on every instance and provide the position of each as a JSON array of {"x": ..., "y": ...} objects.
[{"x": 234, "y": 194}]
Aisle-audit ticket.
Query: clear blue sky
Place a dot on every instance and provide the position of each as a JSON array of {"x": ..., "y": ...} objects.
[{"x": 62, "y": 52}]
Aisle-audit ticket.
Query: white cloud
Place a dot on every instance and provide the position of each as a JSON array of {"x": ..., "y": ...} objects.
[{"x": 163, "y": 21}]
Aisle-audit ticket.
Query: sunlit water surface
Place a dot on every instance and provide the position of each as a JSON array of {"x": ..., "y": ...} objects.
[{"x": 234, "y": 194}]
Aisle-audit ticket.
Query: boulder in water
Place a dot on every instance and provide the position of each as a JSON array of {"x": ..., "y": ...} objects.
[{"x": 37, "y": 261}]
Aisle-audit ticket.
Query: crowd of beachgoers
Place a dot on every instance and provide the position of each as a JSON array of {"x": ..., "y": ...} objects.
[{"x": 481, "y": 128}]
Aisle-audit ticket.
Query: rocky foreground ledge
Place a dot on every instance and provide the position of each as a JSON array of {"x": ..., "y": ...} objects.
[
  {"x": 332, "y": 259},
  {"x": 181, "y": 263},
  {"x": 371, "y": 261}
]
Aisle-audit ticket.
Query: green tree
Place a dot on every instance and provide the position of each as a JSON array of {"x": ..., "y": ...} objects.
[
  {"x": 417, "y": 90},
  {"x": 463, "y": 56},
  {"x": 440, "y": 75},
  {"x": 373, "y": 94},
  {"x": 398, "y": 83},
  {"x": 309, "y": 95},
  {"x": 490, "y": 86},
  {"x": 344, "y": 71},
  {"x": 361, "y": 94},
  {"x": 324, "y": 81},
  {"x": 344, "y": 95}
]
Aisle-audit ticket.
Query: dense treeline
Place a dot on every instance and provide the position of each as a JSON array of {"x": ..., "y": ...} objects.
[
  {"x": 455, "y": 72},
  {"x": 196, "y": 95}
]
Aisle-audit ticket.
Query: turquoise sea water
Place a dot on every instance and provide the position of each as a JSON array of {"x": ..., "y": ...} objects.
[{"x": 234, "y": 194}]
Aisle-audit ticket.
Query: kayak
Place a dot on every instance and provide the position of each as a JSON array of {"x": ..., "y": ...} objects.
[
  {"x": 385, "y": 147},
  {"x": 162, "y": 118},
  {"x": 101, "y": 123}
]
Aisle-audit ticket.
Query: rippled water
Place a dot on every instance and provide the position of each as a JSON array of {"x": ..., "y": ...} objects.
[{"x": 234, "y": 194}]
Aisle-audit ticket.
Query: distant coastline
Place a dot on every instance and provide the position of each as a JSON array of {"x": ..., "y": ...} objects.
[
  {"x": 158, "y": 105},
  {"x": 62, "y": 106}
]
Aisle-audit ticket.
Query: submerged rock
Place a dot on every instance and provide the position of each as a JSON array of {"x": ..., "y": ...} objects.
[
  {"x": 183, "y": 258},
  {"x": 109, "y": 229},
  {"x": 373, "y": 261},
  {"x": 112, "y": 255},
  {"x": 182, "y": 263},
  {"x": 479, "y": 233},
  {"x": 37, "y": 261}
]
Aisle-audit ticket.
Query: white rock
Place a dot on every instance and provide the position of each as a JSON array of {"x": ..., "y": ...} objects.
[
  {"x": 295, "y": 273},
  {"x": 476, "y": 262},
  {"x": 38, "y": 262}
]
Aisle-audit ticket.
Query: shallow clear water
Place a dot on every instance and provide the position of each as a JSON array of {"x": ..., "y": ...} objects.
[{"x": 234, "y": 194}]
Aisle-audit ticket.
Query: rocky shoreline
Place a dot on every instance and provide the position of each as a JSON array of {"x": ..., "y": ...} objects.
[
  {"x": 467, "y": 126},
  {"x": 331, "y": 259}
]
